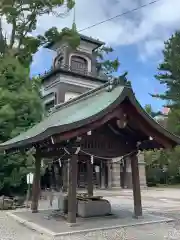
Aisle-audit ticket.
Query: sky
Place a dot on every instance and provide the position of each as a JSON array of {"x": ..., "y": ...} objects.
[{"x": 137, "y": 38}]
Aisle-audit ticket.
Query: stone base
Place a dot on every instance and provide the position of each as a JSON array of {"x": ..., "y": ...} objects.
[
  {"x": 85, "y": 227},
  {"x": 6, "y": 203},
  {"x": 93, "y": 208},
  {"x": 63, "y": 203}
]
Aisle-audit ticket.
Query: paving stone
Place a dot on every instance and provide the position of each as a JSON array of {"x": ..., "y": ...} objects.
[
  {"x": 11, "y": 230},
  {"x": 153, "y": 203}
]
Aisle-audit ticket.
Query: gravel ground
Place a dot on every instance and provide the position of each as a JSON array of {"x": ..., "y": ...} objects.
[{"x": 11, "y": 230}]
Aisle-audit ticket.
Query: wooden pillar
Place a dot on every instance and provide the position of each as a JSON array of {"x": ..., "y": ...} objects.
[
  {"x": 36, "y": 185},
  {"x": 102, "y": 175},
  {"x": 89, "y": 177},
  {"x": 72, "y": 201},
  {"x": 65, "y": 176},
  {"x": 110, "y": 174},
  {"x": 136, "y": 186}
]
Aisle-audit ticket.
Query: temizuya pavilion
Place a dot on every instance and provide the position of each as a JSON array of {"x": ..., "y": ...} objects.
[{"x": 118, "y": 126}]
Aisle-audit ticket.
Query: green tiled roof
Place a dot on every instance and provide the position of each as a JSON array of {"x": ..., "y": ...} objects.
[
  {"x": 83, "y": 107},
  {"x": 82, "y": 110}
]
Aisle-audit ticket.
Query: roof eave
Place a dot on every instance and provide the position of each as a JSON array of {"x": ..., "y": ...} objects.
[
  {"x": 82, "y": 37},
  {"x": 153, "y": 123},
  {"x": 125, "y": 93},
  {"x": 69, "y": 127}
]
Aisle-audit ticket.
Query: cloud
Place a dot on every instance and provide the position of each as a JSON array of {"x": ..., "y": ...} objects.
[
  {"x": 151, "y": 48},
  {"x": 146, "y": 28}
]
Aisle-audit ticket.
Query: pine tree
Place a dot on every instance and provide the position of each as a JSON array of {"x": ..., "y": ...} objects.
[
  {"x": 169, "y": 71},
  {"x": 169, "y": 75}
]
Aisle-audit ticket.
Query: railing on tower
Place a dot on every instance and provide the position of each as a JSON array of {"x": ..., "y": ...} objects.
[{"x": 78, "y": 69}]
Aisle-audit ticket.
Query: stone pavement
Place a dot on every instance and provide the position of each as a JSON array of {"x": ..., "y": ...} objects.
[
  {"x": 11, "y": 230},
  {"x": 164, "y": 202},
  {"x": 172, "y": 193},
  {"x": 54, "y": 224}
]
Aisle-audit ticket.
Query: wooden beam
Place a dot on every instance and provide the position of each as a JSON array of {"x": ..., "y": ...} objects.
[
  {"x": 72, "y": 201},
  {"x": 36, "y": 185},
  {"x": 136, "y": 186},
  {"x": 89, "y": 177},
  {"x": 89, "y": 126},
  {"x": 65, "y": 176},
  {"x": 145, "y": 127}
]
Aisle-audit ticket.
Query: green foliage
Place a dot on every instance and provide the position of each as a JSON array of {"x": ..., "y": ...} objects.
[
  {"x": 169, "y": 75},
  {"x": 20, "y": 108},
  {"x": 106, "y": 66},
  {"x": 22, "y": 15},
  {"x": 148, "y": 109},
  {"x": 169, "y": 70},
  {"x": 12, "y": 172},
  {"x": 155, "y": 162},
  {"x": 67, "y": 35},
  {"x": 71, "y": 37},
  {"x": 173, "y": 121}
]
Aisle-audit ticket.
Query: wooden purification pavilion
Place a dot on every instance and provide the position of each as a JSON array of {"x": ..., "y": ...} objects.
[{"x": 106, "y": 122}]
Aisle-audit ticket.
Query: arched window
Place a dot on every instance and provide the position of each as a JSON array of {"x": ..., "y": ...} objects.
[{"x": 79, "y": 64}]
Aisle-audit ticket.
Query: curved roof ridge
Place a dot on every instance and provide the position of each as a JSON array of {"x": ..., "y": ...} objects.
[
  {"x": 112, "y": 83},
  {"x": 151, "y": 120},
  {"x": 80, "y": 97}
]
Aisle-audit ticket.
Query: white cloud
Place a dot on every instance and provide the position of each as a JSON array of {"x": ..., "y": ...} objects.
[
  {"x": 146, "y": 28},
  {"x": 151, "y": 48}
]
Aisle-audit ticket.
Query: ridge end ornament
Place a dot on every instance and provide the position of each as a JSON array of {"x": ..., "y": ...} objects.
[{"x": 121, "y": 80}]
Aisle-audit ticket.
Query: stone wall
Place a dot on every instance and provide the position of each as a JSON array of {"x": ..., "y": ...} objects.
[
  {"x": 128, "y": 175},
  {"x": 142, "y": 171},
  {"x": 114, "y": 171},
  {"x": 115, "y": 174}
]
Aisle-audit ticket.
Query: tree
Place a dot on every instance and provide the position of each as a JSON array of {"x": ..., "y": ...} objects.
[
  {"x": 104, "y": 65},
  {"x": 169, "y": 75},
  {"x": 162, "y": 166},
  {"x": 173, "y": 121},
  {"x": 148, "y": 108},
  {"x": 20, "y": 109},
  {"x": 169, "y": 71},
  {"x": 23, "y": 15}
]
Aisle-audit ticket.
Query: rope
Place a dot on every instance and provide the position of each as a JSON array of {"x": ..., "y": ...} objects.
[
  {"x": 120, "y": 160},
  {"x": 106, "y": 158}
]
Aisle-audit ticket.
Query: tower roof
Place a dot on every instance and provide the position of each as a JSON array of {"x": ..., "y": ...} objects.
[{"x": 85, "y": 38}]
